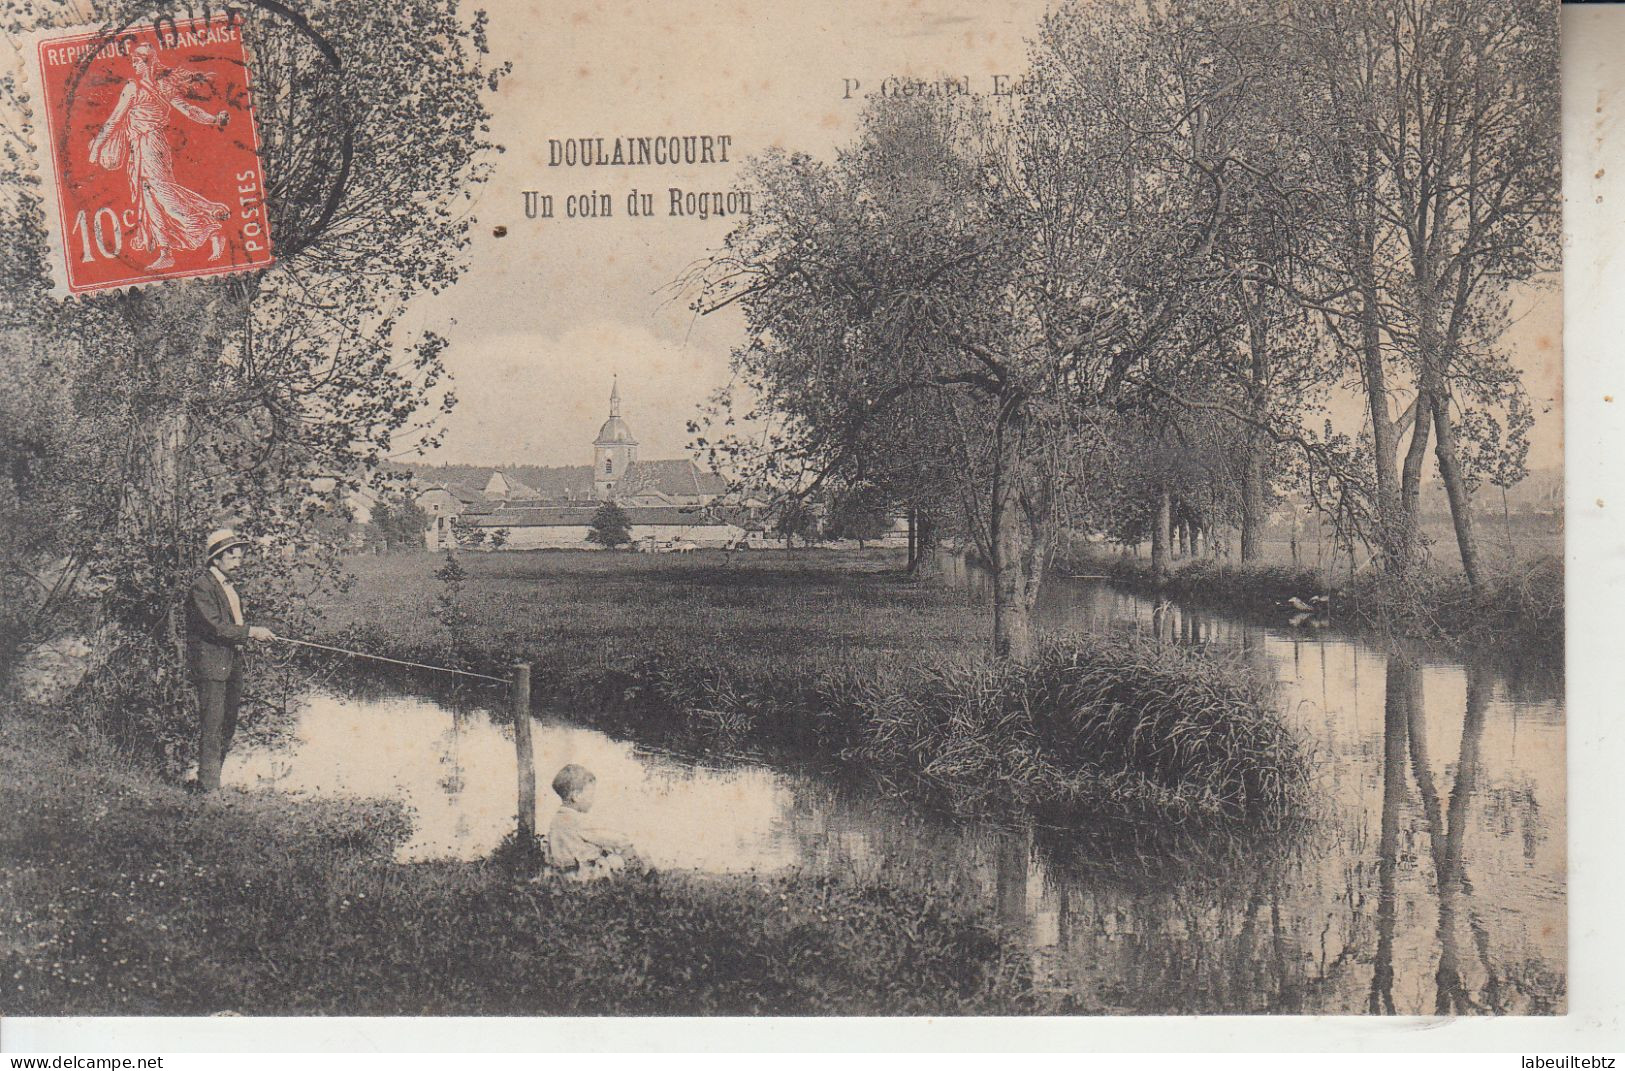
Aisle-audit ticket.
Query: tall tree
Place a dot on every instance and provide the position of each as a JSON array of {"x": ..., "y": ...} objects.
[
  {"x": 256, "y": 398},
  {"x": 1432, "y": 130},
  {"x": 1157, "y": 176},
  {"x": 885, "y": 284}
]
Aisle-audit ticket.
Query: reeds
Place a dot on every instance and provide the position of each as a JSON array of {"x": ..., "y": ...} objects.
[{"x": 1116, "y": 729}]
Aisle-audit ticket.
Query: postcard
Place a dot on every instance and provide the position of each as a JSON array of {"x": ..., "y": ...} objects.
[{"x": 1053, "y": 508}]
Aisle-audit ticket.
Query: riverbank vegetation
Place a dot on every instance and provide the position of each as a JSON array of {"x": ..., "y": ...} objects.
[
  {"x": 134, "y": 422},
  {"x": 126, "y": 896},
  {"x": 1516, "y": 608},
  {"x": 838, "y": 655}
]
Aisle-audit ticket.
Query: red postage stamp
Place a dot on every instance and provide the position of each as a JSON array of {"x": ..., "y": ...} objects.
[{"x": 154, "y": 170}]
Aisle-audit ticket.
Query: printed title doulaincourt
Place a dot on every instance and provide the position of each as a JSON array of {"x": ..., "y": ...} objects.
[{"x": 633, "y": 151}]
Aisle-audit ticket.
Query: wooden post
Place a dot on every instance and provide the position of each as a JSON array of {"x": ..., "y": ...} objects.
[
  {"x": 527, "y": 755},
  {"x": 913, "y": 552}
]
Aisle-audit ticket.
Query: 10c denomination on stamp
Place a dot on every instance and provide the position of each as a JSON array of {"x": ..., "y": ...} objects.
[{"x": 153, "y": 160}]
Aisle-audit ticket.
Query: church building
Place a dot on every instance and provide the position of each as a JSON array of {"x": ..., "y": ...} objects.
[{"x": 619, "y": 475}]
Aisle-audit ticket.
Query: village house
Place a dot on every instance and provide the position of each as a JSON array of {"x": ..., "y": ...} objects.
[
  {"x": 504, "y": 488},
  {"x": 442, "y": 503}
]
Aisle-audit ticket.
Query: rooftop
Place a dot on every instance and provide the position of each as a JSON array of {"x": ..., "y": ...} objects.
[{"x": 675, "y": 477}]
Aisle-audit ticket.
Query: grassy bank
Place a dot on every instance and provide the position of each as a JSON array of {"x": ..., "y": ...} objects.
[
  {"x": 840, "y": 655},
  {"x": 125, "y": 896},
  {"x": 574, "y": 613},
  {"x": 1520, "y": 608}
]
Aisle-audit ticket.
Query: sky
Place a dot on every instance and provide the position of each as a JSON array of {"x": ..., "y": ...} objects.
[{"x": 548, "y": 313}]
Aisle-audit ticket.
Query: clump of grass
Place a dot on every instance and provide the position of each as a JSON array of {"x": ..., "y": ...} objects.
[
  {"x": 1183, "y": 718},
  {"x": 520, "y": 856},
  {"x": 1108, "y": 729}
]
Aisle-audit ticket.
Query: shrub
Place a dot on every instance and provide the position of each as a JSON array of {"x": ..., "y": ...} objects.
[{"x": 610, "y": 526}]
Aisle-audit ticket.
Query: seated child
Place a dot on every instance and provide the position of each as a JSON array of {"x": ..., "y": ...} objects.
[{"x": 575, "y": 847}]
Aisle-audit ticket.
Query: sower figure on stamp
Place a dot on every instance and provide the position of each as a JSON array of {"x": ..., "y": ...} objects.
[
  {"x": 168, "y": 215},
  {"x": 215, "y": 634}
]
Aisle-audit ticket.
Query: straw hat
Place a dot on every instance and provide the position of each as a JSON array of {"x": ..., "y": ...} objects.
[{"x": 222, "y": 540}]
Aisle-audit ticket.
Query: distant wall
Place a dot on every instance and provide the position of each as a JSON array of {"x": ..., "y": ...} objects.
[
  {"x": 535, "y": 537},
  {"x": 698, "y": 534},
  {"x": 531, "y": 537}
]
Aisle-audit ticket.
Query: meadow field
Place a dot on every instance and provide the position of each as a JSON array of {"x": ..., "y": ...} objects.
[{"x": 574, "y": 614}]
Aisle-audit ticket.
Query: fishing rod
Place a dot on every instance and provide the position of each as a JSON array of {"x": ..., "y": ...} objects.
[{"x": 392, "y": 661}]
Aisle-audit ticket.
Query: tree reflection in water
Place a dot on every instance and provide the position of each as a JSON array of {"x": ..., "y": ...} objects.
[
  {"x": 1164, "y": 925},
  {"x": 1404, "y": 677},
  {"x": 1404, "y": 733}
]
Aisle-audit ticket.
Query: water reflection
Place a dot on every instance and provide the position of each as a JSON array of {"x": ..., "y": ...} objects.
[{"x": 1430, "y": 878}]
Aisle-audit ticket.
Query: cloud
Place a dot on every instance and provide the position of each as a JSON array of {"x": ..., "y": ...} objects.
[{"x": 538, "y": 399}]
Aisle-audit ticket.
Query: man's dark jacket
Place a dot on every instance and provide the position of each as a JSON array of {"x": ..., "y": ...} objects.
[{"x": 212, "y": 638}]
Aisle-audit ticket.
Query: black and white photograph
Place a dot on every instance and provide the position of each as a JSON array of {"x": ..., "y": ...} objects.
[{"x": 620, "y": 508}]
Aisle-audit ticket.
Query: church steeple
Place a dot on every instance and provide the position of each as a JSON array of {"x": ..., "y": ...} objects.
[{"x": 614, "y": 450}]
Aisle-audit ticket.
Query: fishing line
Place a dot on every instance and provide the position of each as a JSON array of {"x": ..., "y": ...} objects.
[{"x": 394, "y": 661}]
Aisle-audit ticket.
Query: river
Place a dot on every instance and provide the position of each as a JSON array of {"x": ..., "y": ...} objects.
[{"x": 1432, "y": 879}]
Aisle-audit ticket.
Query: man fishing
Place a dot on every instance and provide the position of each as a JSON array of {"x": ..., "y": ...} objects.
[{"x": 215, "y": 634}]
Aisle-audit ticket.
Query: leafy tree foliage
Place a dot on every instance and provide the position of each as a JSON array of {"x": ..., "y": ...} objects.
[
  {"x": 1194, "y": 225},
  {"x": 610, "y": 526},
  {"x": 857, "y": 515},
  {"x": 399, "y": 524},
  {"x": 260, "y": 400},
  {"x": 875, "y": 285},
  {"x": 1010, "y": 282},
  {"x": 793, "y": 519}
]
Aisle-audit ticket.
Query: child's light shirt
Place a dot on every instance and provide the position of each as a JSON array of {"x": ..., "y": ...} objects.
[{"x": 573, "y": 841}]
